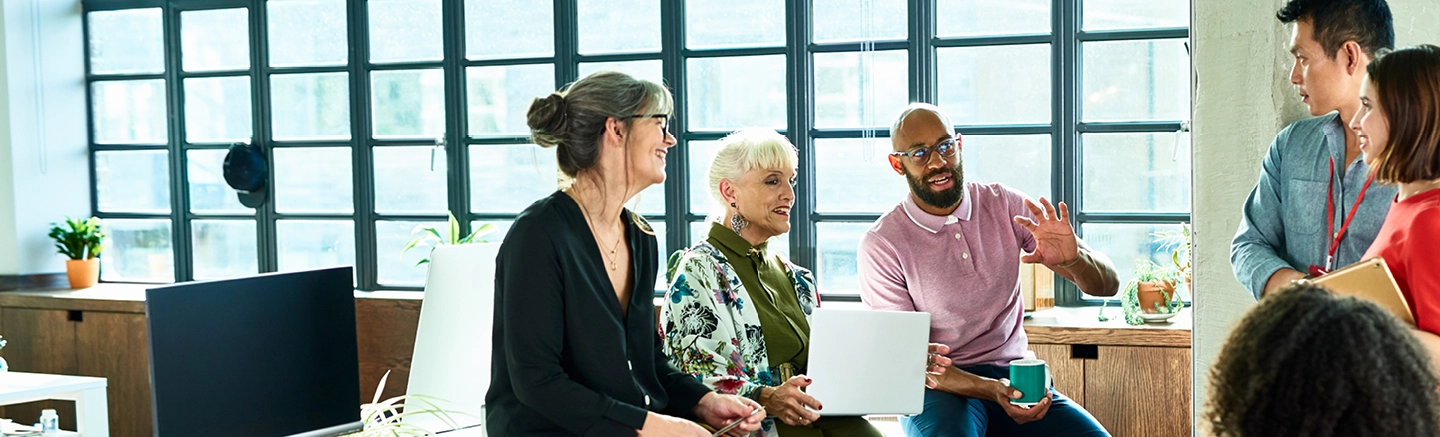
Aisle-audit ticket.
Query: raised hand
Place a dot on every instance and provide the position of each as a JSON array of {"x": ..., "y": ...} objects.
[{"x": 1055, "y": 242}]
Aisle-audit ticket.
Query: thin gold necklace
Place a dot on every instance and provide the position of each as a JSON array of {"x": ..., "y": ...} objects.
[{"x": 590, "y": 223}]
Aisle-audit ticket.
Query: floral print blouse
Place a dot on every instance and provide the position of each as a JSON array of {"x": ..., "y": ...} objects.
[{"x": 711, "y": 329}]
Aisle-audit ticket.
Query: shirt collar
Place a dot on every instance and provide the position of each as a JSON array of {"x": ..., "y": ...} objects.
[
  {"x": 726, "y": 238},
  {"x": 933, "y": 223}
]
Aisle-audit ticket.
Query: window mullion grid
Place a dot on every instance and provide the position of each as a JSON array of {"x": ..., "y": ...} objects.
[
  {"x": 457, "y": 153},
  {"x": 366, "y": 257},
  {"x": 677, "y": 198},
  {"x": 803, "y": 244},
  {"x": 268, "y": 245},
  {"x": 1066, "y": 73},
  {"x": 179, "y": 190}
]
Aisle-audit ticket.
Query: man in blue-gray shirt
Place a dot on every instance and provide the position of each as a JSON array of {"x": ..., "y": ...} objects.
[{"x": 1315, "y": 208}]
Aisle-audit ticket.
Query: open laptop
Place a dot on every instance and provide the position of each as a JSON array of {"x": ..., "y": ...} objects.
[
  {"x": 1370, "y": 280},
  {"x": 451, "y": 362},
  {"x": 868, "y": 362}
]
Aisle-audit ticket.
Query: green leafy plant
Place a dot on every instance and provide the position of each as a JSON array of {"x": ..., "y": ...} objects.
[
  {"x": 386, "y": 418},
  {"x": 1149, "y": 271},
  {"x": 432, "y": 237},
  {"x": 79, "y": 238},
  {"x": 1178, "y": 243}
]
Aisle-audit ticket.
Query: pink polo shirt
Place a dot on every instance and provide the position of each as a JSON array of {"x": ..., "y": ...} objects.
[{"x": 963, "y": 269}]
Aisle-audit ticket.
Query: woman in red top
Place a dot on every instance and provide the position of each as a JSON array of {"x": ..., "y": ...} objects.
[{"x": 1399, "y": 130}]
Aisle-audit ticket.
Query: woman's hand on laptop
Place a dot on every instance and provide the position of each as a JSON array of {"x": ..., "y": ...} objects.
[
  {"x": 787, "y": 403},
  {"x": 720, "y": 410}
]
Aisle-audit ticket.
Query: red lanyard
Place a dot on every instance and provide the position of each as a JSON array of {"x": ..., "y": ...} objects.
[{"x": 1330, "y": 213}]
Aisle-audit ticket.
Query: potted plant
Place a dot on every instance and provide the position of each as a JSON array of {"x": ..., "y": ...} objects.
[
  {"x": 386, "y": 418},
  {"x": 1178, "y": 243},
  {"x": 432, "y": 238},
  {"x": 80, "y": 240},
  {"x": 1151, "y": 292}
]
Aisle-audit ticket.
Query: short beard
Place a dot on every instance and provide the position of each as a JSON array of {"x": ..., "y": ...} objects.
[{"x": 939, "y": 199}]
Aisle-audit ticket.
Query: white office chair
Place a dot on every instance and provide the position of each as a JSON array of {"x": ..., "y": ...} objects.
[{"x": 452, "y": 345}]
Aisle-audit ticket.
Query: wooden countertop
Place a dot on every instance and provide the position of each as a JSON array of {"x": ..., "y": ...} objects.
[
  {"x": 127, "y": 298},
  {"x": 1079, "y": 325}
]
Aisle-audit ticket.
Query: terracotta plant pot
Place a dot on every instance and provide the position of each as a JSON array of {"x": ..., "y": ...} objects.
[
  {"x": 1149, "y": 295},
  {"x": 83, "y": 273}
]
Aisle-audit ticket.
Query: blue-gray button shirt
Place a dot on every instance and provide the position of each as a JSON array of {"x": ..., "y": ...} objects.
[{"x": 1284, "y": 217}]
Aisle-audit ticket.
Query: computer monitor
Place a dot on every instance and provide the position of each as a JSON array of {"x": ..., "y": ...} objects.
[
  {"x": 451, "y": 363},
  {"x": 269, "y": 355}
]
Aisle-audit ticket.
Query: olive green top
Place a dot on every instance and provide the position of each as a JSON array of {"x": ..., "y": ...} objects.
[{"x": 786, "y": 331}]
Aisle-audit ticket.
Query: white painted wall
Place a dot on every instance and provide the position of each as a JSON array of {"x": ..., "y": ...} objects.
[
  {"x": 1243, "y": 97},
  {"x": 44, "y": 168}
]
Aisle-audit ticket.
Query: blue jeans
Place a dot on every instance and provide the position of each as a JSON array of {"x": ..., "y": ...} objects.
[{"x": 947, "y": 415}]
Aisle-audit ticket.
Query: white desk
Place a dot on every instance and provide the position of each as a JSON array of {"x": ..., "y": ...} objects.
[{"x": 88, "y": 393}]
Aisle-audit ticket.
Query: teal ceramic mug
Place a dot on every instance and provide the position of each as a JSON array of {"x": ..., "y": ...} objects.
[{"x": 1032, "y": 378}]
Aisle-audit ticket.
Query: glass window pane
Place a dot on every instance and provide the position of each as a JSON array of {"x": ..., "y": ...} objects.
[
  {"x": 410, "y": 180},
  {"x": 1019, "y": 161},
  {"x": 224, "y": 248},
  {"x": 1136, "y": 81},
  {"x": 985, "y": 17},
  {"x": 128, "y": 41},
  {"x": 217, "y": 109},
  {"x": 395, "y": 267},
  {"x": 499, "y": 97},
  {"x": 138, "y": 251},
  {"x": 663, "y": 248},
  {"x": 702, "y": 154},
  {"x": 408, "y": 103},
  {"x": 1127, "y": 243},
  {"x": 730, "y": 93},
  {"x": 599, "y": 33},
  {"x": 307, "y": 33},
  {"x": 217, "y": 39},
  {"x": 1135, "y": 172},
  {"x": 311, "y": 106},
  {"x": 735, "y": 23},
  {"x": 509, "y": 28},
  {"x": 313, "y": 180},
  {"x": 208, "y": 191},
  {"x": 133, "y": 181},
  {"x": 858, "y": 89},
  {"x": 508, "y": 178},
  {"x": 314, "y": 244},
  {"x": 836, "y": 244},
  {"x": 1135, "y": 14},
  {"x": 650, "y": 69},
  {"x": 497, "y": 232},
  {"x": 854, "y": 175},
  {"x": 649, "y": 201},
  {"x": 859, "y": 20},
  {"x": 995, "y": 85},
  {"x": 129, "y": 111},
  {"x": 405, "y": 31}
]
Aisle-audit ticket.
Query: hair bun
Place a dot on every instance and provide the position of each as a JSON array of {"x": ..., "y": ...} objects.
[{"x": 547, "y": 120}]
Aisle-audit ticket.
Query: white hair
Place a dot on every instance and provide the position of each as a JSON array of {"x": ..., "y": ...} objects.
[{"x": 749, "y": 149}]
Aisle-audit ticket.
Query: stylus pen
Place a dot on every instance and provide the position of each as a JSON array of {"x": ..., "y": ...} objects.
[{"x": 722, "y": 431}]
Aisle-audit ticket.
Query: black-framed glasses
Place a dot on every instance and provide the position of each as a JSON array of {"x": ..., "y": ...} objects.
[
  {"x": 664, "y": 121},
  {"x": 921, "y": 155}
]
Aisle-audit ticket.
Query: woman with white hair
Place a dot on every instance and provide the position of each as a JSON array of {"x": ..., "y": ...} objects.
[{"x": 737, "y": 315}]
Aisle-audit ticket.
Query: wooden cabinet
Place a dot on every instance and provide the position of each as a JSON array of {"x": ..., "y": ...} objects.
[
  {"x": 87, "y": 343},
  {"x": 1134, "y": 380}
]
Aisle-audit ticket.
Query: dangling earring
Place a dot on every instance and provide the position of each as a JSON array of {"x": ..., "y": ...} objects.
[{"x": 736, "y": 221}]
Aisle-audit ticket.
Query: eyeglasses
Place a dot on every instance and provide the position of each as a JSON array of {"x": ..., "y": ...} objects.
[
  {"x": 921, "y": 155},
  {"x": 664, "y": 121}
]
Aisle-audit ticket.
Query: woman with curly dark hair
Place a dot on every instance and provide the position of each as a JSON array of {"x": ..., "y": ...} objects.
[{"x": 1305, "y": 362}]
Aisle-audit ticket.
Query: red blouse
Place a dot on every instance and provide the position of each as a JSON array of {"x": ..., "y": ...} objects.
[{"x": 1410, "y": 243}]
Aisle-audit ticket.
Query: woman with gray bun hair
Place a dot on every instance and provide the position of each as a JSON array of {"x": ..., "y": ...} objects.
[{"x": 575, "y": 350}]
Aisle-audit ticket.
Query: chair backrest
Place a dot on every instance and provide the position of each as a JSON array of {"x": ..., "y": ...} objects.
[{"x": 452, "y": 344}]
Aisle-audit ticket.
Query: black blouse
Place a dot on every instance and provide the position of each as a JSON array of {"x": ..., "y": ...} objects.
[{"x": 565, "y": 361}]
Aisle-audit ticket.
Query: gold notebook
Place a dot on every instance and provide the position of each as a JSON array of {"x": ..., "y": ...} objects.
[{"x": 1370, "y": 280}]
